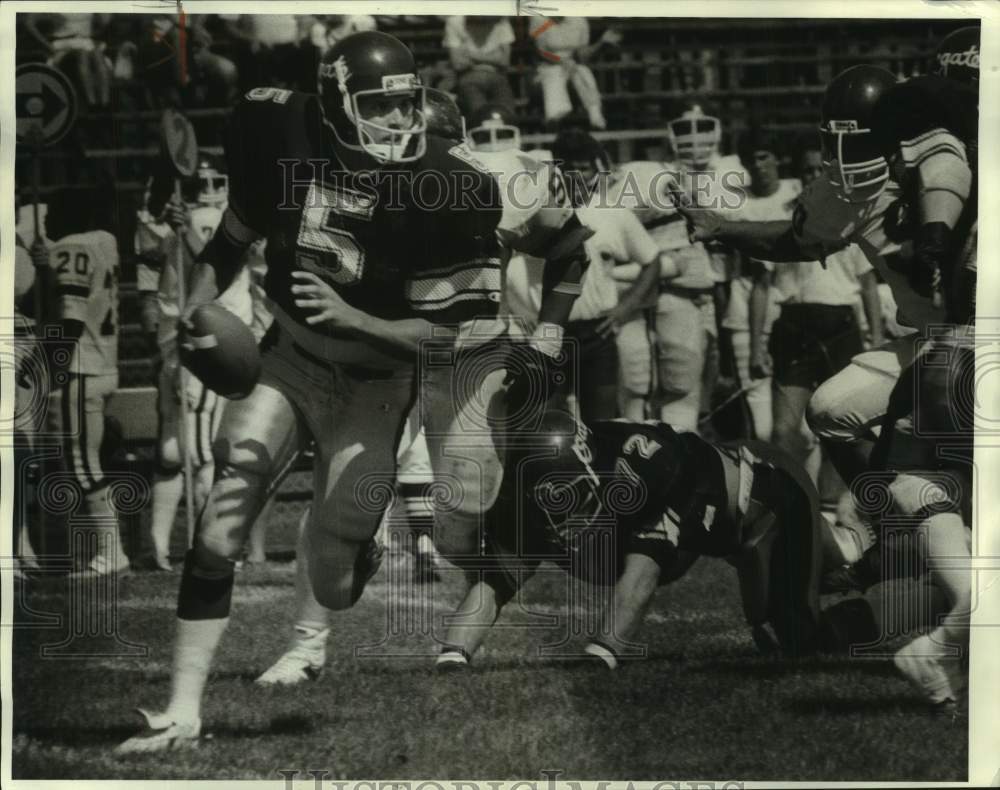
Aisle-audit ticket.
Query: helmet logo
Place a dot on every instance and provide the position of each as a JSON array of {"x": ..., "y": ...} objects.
[
  {"x": 341, "y": 72},
  {"x": 399, "y": 82},
  {"x": 842, "y": 126},
  {"x": 968, "y": 58}
]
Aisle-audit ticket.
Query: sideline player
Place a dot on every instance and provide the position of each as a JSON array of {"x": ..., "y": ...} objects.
[
  {"x": 84, "y": 276},
  {"x": 338, "y": 362},
  {"x": 687, "y": 314},
  {"x": 614, "y": 503}
]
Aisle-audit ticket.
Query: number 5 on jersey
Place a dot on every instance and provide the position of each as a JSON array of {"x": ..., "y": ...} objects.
[{"x": 342, "y": 259}]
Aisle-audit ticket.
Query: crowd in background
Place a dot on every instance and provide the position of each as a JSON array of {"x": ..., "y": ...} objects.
[{"x": 228, "y": 54}]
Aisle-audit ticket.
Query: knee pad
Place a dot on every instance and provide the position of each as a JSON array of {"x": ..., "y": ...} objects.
[{"x": 206, "y": 587}]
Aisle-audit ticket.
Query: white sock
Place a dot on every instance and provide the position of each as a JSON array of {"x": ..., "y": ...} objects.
[
  {"x": 310, "y": 615},
  {"x": 194, "y": 648}
]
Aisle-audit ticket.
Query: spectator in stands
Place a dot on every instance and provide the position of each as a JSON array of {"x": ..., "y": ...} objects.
[
  {"x": 328, "y": 29},
  {"x": 563, "y": 43},
  {"x": 266, "y": 48},
  {"x": 207, "y": 77},
  {"x": 817, "y": 331},
  {"x": 323, "y": 31},
  {"x": 73, "y": 44},
  {"x": 479, "y": 50}
]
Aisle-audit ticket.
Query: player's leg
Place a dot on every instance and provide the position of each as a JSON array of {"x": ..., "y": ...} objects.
[
  {"x": 789, "y": 401},
  {"x": 633, "y": 591},
  {"x": 355, "y": 472},
  {"x": 255, "y": 434},
  {"x": 944, "y": 413},
  {"x": 305, "y": 656},
  {"x": 598, "y": 378},
  {"x": 204, "y": 418},
  {"x": 780, "y": 561},
  {"x": 635, "y": 355},
  {"x": 582, "y": 79},
  {"x": 168, "y": 478},
  {"x": 681, "y": 344},
  {"x": 414, "y": 506},
  {"x": 92, "y": 396},
  {"x": 462, "y": 411},
  {"x": 846, "y": 410},
  {"x": 555, "y": 92}
]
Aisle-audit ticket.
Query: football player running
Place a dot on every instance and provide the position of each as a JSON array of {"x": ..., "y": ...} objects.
[
  {"x": 204, "y": 198},
  {"x": 537, "y": 224},
  {"x": 345, "y": 251},
  {"x": 617, "y": 502}
]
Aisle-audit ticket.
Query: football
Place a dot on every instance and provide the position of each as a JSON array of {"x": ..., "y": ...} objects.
[{"x": 221, "y": 351}]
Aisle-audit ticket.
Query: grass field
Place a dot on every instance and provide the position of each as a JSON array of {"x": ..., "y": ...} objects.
[{"x": 702, "y": 704}]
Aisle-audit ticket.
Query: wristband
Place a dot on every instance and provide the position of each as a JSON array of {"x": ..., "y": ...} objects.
[
  {"x": 603, "y": 652},
  {"x": 547, "y": 338}
]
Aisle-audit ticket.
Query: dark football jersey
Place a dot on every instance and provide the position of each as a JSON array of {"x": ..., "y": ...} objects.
[
  {"x": 649, "y": 489},
  {"x": 413, "y": 239}
]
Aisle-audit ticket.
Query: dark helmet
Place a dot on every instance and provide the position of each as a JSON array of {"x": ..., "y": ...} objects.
[
  {"x": 957, "y": 56},
  {"x": 559, "y": 475},
  {"x": 492, "y": 127},
  {"x": 371, "y": 64},
  {"x": 442, "y": 115},
  {"x": 855, "y": 164},
  {"x": 209, "y": 185}
]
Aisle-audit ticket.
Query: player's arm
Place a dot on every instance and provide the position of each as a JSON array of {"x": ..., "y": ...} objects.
[
  {"x": 621, "y": 619},
  {"x": 336, "y": 316},
  {"x": 639, "y": 246},
  {"x": 872, "y": 305},
  {"x": 482, "y": 604},
  {"x": 220, "y": 261},
  {"x": 944, "y": 183},
  {"x": 777, "y": 241}
]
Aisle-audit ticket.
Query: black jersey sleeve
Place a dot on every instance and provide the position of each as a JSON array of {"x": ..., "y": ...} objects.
[{"x": 256, "y": 137}]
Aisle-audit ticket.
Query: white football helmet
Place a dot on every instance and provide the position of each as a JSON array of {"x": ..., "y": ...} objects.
[{"x": 695, "y": 136}]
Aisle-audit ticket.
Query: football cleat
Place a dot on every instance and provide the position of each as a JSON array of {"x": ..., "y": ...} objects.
[
  {"x": 161, "y": 734},
  {"x": 938, "y": 678},
  {"x": 302, "y": 662},
  {"x": 101, "y": 565}
]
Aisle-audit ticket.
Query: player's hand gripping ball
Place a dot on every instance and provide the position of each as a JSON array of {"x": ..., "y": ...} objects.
[{"x": 218, "y": 348}]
